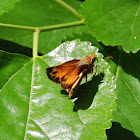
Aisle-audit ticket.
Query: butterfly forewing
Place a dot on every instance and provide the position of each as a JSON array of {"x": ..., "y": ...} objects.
[
  {"x": 57, "y": 72},
  {"x": 68, "y": 80}
]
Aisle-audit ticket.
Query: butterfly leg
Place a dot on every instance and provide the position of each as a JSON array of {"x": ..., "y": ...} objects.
[
  {"x": 95, "y": 69},
  {"x": 109, "y": 57},
  {"x": 86, "y": 79}
]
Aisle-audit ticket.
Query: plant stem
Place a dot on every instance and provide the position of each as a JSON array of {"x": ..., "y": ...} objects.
[
  {"x": 71, "y": 9},
  {"x": 36, "y": 31},
  {"x": 43, "y": 28},
  {"x": 35, "y": 43},
  {"x": 17, "y": 27},
  {"x": 58, "y": 26}
]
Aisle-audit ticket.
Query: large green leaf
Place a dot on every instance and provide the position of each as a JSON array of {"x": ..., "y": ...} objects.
[
  {"x": 114, "y": 22},
  {"x": 34, "y": 107},
  {"x": 126, "y": 68},
  {"x": 7, "y": 5},
  {"x": 127, "y": 73},
  {"x": 39, "y": 13},
  {"x": 15, "y": 84}
]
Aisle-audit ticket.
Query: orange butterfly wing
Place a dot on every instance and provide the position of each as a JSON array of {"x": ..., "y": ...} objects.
[
  {"x": 72, "y": 79},
  {"x": 70, "y": 74},
  {"x": 56, "y": 73}
]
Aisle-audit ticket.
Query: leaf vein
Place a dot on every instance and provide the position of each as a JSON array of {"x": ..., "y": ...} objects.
[
  {"x": 101, "y": 17},
  {"x": 130, "y": 90},
  {"x": 39, "y": 127},
  {"x": 117, "y": 71},
  {"x": 11, "y": 61},
  {"x": 134, "y": 62},
  {"x": 126, "y": 117},
  {"x": 30, "y": 100},
  {"x": 132, "y": 26},
  {"x": 44, "y": 61}
]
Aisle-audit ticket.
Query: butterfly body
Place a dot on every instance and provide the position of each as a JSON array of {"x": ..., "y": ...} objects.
[{"x": 70, "y": 74}]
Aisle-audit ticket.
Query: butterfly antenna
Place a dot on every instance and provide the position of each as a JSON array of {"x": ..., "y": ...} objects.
[{"x": 108, "y": 57}]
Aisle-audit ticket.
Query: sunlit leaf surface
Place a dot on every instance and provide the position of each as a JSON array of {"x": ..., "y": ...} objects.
[{"x": 34, "y": 107}]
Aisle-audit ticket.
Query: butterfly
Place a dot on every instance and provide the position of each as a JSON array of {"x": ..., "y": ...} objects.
[{"x": 70, "y": 74}]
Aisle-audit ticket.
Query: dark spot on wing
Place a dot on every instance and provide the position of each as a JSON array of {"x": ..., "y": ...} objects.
[
  {"x": 57, "y": 79},
  {"x": 63, "y": 79},
  {"x": 51, "y": 76},
  {"x": 66, "y": 86},
  {"x": 48, "y": 72},
  {"x": 54, "y": 72}
]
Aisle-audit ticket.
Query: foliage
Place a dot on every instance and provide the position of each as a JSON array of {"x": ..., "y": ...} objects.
[{"x": 32, "y": 106}]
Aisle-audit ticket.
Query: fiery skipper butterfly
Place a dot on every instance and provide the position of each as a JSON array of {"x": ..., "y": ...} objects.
[{"x": 70, "y": 74}]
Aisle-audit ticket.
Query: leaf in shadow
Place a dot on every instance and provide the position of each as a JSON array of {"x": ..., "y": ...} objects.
[
  {"x": 12, "y": 47},
  {"x": 85, "y": 94},
  {"x": 116, "y": 132}
]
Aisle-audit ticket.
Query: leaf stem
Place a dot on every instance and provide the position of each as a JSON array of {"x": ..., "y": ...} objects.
[
  {"x": 58, "y": 26},
  {"x": 35, "y": 43},
  {"x": 68, "y": 7},
  {"x": 43, "y": 28},
  {"x": 20, "y": 27}
]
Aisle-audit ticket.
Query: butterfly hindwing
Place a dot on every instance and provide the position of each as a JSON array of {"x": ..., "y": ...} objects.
[{"x": 57, "y": 72}]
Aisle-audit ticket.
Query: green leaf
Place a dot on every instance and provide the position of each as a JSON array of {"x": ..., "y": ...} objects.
[
  {"x": 34, "y": 107},
  {"x": 7, "y": 5},
  {"x": 127, "y": 71},
  {"x": 15, "y": 86},
  {"x": 126, "y": 68},
  {"x": 114, "y": 22},
  {"x": 40, "y": 13},
  {"x": 9, "y": 65}
]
